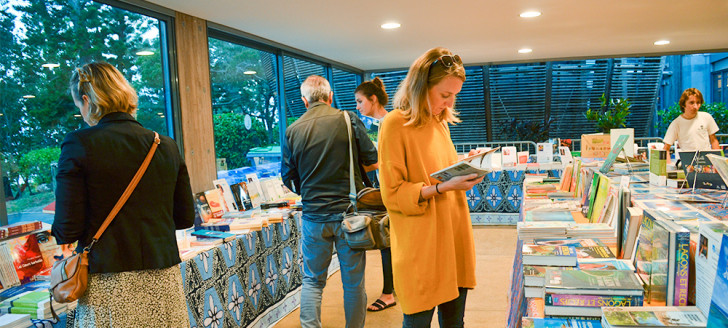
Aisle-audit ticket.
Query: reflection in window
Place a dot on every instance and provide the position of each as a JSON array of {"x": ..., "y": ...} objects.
[
  {"x": 42, "y": 42},
  {"x": 245, "y": 110}
]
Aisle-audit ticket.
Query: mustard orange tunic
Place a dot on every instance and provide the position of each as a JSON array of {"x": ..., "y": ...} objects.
[{"x": 432, "y": 241}]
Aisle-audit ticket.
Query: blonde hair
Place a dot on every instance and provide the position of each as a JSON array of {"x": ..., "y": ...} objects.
[
  {"x": 411, "y": 97},
  {"x": 106, "y": 88}
]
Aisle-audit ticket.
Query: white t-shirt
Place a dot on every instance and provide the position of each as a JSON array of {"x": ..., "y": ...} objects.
[{"x": 692, "y": 134}]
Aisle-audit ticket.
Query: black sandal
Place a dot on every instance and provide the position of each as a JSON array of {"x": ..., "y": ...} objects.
[{"x": 380, "y": 305}]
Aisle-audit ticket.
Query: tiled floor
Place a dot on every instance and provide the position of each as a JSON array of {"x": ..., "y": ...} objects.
[{"x": 486, "y": 304}]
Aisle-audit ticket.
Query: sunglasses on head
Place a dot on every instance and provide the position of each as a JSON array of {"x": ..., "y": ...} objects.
[{"x": 448, "y": 60}]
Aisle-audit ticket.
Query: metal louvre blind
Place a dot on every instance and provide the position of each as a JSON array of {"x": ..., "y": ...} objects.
[
  {"x": 638, "y": 79},
  {"x": 391, "y": 82},
  {"x": 471, "y": 108},
  {"x": 575, "y": 87},
  {"x": 344, "y": 83},
  {"x": 296, "y": 71},
  {"x": 517, "y": 91}
]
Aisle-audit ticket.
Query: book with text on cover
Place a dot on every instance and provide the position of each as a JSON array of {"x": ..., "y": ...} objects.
[
  {"x": 593, "y": 282},
  {"x": 652, "y": 316},
  {"x": 480, "y": 164},
  {"x": 549, "y": 255}
]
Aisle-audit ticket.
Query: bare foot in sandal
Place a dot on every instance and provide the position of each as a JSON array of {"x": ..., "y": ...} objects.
[{"x": 383, "y": 302}]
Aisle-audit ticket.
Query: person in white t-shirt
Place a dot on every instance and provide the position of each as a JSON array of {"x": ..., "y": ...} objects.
[{"x": 693, "y": 130}]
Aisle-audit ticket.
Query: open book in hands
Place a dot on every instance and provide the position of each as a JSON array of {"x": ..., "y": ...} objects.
[{"x": 481, "y": 164}]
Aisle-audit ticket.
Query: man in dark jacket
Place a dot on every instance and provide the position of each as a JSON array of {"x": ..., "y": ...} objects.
[{"x": 316, "y": 166}]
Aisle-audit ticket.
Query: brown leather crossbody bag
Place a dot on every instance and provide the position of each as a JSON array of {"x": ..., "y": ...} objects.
[{"x": 69, "y": 277}]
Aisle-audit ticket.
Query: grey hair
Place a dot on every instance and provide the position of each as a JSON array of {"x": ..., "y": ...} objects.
[{"x": 315, "y": 88}]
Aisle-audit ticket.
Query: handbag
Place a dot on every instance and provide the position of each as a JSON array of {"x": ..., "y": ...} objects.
[
  {"x": 368, "y": 229},
  {"x": 69, "y": 277}
]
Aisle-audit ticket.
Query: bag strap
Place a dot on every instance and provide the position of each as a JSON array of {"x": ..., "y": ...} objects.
[
  {"x": 352, "y": 186},
  {"x": 127, "y": 192}
]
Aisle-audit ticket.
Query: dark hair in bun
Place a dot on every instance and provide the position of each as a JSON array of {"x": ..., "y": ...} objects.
[{"x": 374, "y": 87}]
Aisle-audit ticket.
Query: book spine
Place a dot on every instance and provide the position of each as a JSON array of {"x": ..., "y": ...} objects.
[
  {"x": 591, "y": 300},
  {"x": 218, "y": 227},
  {"x": 682, "y": 267}
]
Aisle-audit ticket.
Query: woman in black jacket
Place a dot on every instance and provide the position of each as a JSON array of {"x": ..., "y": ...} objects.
[{"x": 133, "y": 271}]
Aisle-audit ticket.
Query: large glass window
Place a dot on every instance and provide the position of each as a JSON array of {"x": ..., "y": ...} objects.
[
  {"x": 245, "y": 110},
  {"x": 344, "y": 83},
  {"x": 42, "y": 42},
  {"x": 296, "y": 71}
]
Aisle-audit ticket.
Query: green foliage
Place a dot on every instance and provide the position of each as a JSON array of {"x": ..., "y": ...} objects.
[
  {"x": 26, "y": 202},
  {"x": 518, "y": 130},
  {"x": 666, "y": 116},
  {"x": 233, "y": 140},
  {"x": 35, "y": 165},
  {"x": 610, "y": 116}
]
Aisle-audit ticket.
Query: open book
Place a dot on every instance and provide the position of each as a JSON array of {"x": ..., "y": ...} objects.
[{"x": 480, "y": 164}]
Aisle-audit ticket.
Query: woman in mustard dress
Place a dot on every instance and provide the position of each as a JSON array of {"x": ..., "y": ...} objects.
[{"x": 433, "y": 256}]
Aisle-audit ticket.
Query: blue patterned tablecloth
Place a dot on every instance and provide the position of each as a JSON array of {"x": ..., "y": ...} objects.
[{"x": 251, "y": 281}]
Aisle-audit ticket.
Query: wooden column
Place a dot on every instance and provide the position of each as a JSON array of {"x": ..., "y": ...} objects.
[{"x": 195, "y": 100}]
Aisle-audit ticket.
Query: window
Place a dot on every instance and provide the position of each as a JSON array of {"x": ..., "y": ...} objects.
[
  {"x": 344, "y": 83},
  {"x": 36, "y": 109},
  {"x": 296, "y": 71},
  {"x": 245, "y": 110},
  {"x": 720, "y": 92}
]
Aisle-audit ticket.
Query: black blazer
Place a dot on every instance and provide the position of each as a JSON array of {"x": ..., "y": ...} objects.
[{"x": 95, "y": 167}]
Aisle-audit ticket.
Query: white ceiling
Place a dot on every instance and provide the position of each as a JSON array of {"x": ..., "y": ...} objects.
[{"x": 480, "y": 31}]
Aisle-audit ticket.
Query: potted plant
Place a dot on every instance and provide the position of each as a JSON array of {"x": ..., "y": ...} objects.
[{"x": 611, "y": 115}]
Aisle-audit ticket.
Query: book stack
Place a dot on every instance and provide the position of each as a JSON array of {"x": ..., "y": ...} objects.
[
  {"x": 528, "y": 231},
  {"x": 35, "y": 303},
  {"x": 19, "y": 228},
  {"x": 553, "y": 215},
  {"x": 527, "y": 322},
  {"x": 15, "y": 321},
  {"x": 602, "y": 231},
  {"x": 653, "y": 316},
  {"x": 584, "y": 292},
  {"x": 534, "y": 277}
]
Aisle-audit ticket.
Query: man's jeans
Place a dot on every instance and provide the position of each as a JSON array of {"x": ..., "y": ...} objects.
[
  {"x": 450, "y": 314},
  {"x": 316, "y": 241}
]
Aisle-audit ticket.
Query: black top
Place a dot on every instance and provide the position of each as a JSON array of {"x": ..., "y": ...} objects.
[
  {"x": 95, "y": 167},
  {"x": 316, "y": 158}
]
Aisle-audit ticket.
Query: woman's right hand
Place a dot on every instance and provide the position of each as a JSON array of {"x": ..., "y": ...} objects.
[{"x": 463, "y": 182}]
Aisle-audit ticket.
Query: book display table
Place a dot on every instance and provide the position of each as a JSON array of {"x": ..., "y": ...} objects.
[{"x": 251, "y": 281}]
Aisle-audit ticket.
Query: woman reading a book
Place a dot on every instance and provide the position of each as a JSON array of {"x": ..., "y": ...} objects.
[
  {"x": 433, "y": 256},
  {"x": 371, "y": 97},
  {"x": 133, "y": 267},
  {"x": 693, "y": 130}
]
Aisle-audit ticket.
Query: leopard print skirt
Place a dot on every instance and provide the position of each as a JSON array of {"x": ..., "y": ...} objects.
[{"x": 145, "y": 298}]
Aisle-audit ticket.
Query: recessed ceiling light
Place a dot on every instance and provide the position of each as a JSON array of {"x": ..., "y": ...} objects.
[
  {"x": 50, "y": 65},
  {"x": 530, "y": 14},
  {"x": 144, "y": 53},
  {"x": 662, "y": 42},
  {"x": 28, "y": 96},
  {"x": 160, "y": 113},
  {"x": 525, "y": 50},
  {"x": 391, "y": 25},
  {"x": 249, "y": 72},
  {"x": 76, "y": 115}
]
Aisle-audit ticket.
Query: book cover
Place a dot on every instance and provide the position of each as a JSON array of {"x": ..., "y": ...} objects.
[
  {"x": 33, "y": 299},
  {"x": 658, "y": 167},
  {"x": 203, "y": 233},
  {"x": 658, "y": 293},
  {"x": 706, "y": 261},
  {"x": 544, "y": 152},
  {"x": 586, "y": 253},
  {"x": 480, "y": 164},
  {"x": 227, "y": 198},
  {"x": 241, "y": 195},
  {"x": 718, "y": 312},
  {"x": 606, "y": 264},
  {"x": 595, "y": 145},
  {"x": 509, "y": 156},
  {"x": 203, "y": 208},
  {"x": 540, "y": 216},
  {"x": 214, "y": 200},
  {"x": 27, "y": 257},
  {"x": 600, "y": 198},
  {"x": 602, "y": 282},
  {"x": 681, "y": 259},
  {"x": 653, "y": 316},
  {"x": 534, "y": 307},
  {"x": 254, "y": 190},
  {"x": 579, "y": 242},
  {"x": 591, "y": 300},
  {"x": 615, "y": 134},
  {"x": 19, "y": 228},
  {"x": 616, "y": 148}
]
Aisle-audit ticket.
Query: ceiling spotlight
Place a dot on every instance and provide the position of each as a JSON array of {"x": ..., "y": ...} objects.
[
  {"x": 50, "y": 65},
  {"x": 76, "y": 115},
  {"x": 391, "y": 25},
  {"x": 160, "y": 113},
  {"x": 144, "y": 53},
  {"x": 530, "y": 14},
  {"x": 525, "y": 50},
  {"x": 662, "y": 42},
  {"x": 29, "y": 96},
  {"x": 249, "y": 72}
]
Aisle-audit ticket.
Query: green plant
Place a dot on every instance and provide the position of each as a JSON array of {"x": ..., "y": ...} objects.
[
  {"x": 518, "y": 130},
  {"x": 610, "y": 116},
  {"x": 35, "y": 165},
  {"x": 666, "y": 116}
]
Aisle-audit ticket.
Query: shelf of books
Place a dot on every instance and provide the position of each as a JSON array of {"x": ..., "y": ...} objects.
[
  {"x": 612, "y": 245},
  {"x": 240, "y": 262}
]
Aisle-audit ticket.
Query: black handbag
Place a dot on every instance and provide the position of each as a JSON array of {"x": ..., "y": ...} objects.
[{"x": 367, "y": 229}]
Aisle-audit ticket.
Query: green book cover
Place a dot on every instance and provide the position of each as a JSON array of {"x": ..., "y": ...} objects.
[
  {"x": 658, "y": 162},
  {"x": 614, "y": 153},
  {"x": 31, "y": 299}
]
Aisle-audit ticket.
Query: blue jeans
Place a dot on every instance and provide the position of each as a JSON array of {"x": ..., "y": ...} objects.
[
  {"x": 317, "y": 239},
  {"x": 449, "y": 314}
]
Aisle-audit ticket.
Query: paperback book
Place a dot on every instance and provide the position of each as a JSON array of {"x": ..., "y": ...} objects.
[
  {"x": 480, "y": 164},
  {"x": 549, "y": 255},
  {"x": 652, "y": 316},
  {"x": 593, "y": 282}
]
